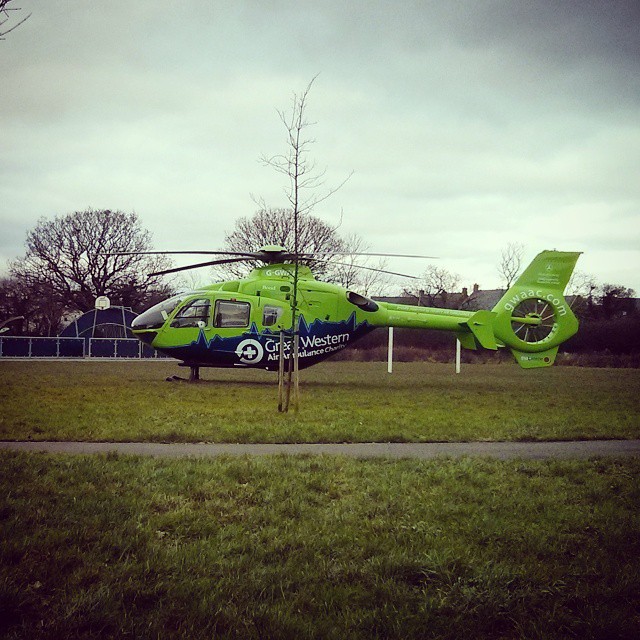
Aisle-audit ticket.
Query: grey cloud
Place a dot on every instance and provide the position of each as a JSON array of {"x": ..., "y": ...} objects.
[{"x": 469, "y": 124}]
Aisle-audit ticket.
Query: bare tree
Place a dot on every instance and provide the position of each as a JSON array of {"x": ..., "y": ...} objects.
[
  {"x": 39, "y": 312},
  {"x": 337, "y": 264},
  {"x": 306, "y": 189},
  {"x": 350, "y": 274},
  {"x": 581, "y": 284},
  {"x": 436, "y": 286},
  {"x": 276, "y": 226},
  {"x": 69, "y": 256},
  {"x": 582, "y": 287},
  {"x": 5, "y": 18},
  {"x": 592, "y": 300},
  {"x": 189, "y": 281},
  {"x": 614, "y": 298},
  {"x": 510, "y": 263}
]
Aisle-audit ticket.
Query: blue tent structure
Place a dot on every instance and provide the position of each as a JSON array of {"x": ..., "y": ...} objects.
[
  {"x": 114, "y": 322},
  {"x": 107, "y": 333},
  {"x": 99, "y": 333}
]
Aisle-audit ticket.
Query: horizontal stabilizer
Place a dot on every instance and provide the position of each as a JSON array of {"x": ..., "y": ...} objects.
[
  {"x": 481, "y": 326},
  {"x": 467, "y": 340}
]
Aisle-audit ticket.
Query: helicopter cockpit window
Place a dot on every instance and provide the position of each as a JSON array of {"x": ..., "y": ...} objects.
[
  {"x": 366, "y": 304},
  {"x": 230, "y": 313},
  {"x": 271, "y": 315},
  {"x": 156, "y": 316},
  {"x": 193, "y": 314}
]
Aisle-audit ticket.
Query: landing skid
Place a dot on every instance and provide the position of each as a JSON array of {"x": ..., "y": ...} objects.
[{"x": 194, "y": 375}]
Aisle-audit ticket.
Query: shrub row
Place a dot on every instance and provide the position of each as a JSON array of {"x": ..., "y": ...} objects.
[{"x": 600, "y": 359}]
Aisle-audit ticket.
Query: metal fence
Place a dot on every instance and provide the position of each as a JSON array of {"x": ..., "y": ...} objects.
[{"x": 24, "y": 347}]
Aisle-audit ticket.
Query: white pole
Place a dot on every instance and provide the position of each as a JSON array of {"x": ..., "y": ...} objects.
[
  {"x": 457, "y": 356},
  {"x": 390, "y": 352}
]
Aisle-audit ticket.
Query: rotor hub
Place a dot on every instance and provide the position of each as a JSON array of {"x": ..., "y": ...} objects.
[{"x": 534, "y": 320}]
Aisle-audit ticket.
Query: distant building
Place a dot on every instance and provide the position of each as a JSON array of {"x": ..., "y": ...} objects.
[{"x": 476, "y": 300}]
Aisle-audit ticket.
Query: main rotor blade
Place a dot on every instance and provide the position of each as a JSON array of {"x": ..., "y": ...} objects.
[
  {"x": 357, "y": 266},
  {"x": 267, "y": 256},
  {"x": 354, "y": 253},
  {"x": 195, "y": 266},
  {"x": 264, "y": 256},
  {"x": 164, "y": 253}
]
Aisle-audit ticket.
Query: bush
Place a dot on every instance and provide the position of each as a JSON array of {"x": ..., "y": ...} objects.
[
  {"x": 615, "y": 336},
  {"x": 613, "y": 343},
  {"x": 598, "y": 359},
  {"x": 415, "y": 354}
]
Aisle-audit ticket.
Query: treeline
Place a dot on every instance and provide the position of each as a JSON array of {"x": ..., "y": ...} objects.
[{"x": 73, "y": 259}]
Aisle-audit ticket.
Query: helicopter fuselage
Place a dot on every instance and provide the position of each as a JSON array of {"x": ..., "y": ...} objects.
[
  {"x": 248, "y": 322},
  {"x": 239, "y": 323}
]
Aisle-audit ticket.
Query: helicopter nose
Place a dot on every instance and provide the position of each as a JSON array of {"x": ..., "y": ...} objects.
[{"x": 146, "y": 336}]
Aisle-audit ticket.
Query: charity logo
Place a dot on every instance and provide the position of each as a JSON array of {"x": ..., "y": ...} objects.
[{"x": 249, "y": 351}]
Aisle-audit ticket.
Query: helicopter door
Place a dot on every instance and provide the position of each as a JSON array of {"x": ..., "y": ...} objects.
[{"x": 321, "y": 305}]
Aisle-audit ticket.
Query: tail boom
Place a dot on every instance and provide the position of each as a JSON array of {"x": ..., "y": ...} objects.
[{"x": 532, "y": 318}]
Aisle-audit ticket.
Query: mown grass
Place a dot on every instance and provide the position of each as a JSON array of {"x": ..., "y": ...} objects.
[
  {"x": 340, "y": 402},
  {"x": 327, "y": 547}
]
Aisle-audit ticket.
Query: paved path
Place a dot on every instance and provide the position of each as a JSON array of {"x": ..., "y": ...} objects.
[{"x": 501, "y": 450}]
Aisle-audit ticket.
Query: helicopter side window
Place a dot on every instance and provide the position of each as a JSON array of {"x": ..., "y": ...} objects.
[
  {"x": 193, "y": 314},
  {"x": 155, "y": 317},
  {"x": 230, "y": 313},
  {"x": 271, "y": 315}
]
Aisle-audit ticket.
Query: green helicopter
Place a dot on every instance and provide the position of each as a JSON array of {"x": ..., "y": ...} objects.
[{"x": 239, "y": 323}]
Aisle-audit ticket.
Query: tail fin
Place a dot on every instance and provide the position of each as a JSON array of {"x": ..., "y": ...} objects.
[{"x": 533, "y": 318}]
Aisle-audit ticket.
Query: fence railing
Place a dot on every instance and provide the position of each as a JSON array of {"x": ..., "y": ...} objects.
[{"x": 26, "y": 347}]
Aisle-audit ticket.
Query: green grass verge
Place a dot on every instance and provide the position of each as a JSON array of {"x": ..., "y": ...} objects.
[
  {"x": 340, "y": 402},
  {"x": 327, "y": 547}
]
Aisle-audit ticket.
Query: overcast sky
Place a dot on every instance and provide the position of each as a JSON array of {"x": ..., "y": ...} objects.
[{"x": 468, "y": 124}]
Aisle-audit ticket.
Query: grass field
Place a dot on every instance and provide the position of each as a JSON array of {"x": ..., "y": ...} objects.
[
  {"x": 341, "y": 402},
  {"x": 327, "y": 547},
  {"x": 303, "y": 547}
]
